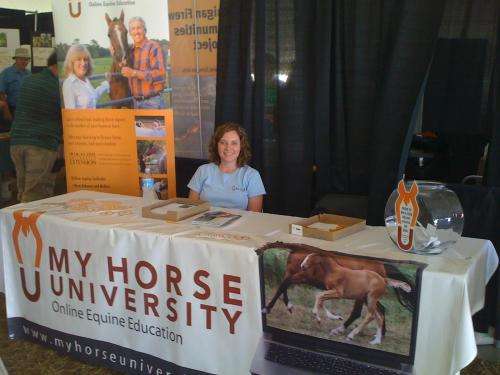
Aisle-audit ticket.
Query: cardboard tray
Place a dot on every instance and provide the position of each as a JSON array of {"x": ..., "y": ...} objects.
[
  {"x": 348, "y": 226},
  {"x": 175, "y": 209}
]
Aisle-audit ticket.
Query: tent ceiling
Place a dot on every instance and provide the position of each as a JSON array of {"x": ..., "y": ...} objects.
[{"x": 40, "y": 6}]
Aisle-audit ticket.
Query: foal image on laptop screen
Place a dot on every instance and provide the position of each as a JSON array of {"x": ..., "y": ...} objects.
[{"x": 337, "y": 306}]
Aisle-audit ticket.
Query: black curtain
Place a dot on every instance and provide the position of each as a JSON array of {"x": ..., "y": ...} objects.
[
  {"x": 14, "y": 19},
  {"x": 326, "y": 91},
  {"x": 460, "y": 102},
  {"x": 18, "y": 19},
  {"x": 493, "y": 159}
]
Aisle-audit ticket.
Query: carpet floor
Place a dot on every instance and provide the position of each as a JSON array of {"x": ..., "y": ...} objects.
[{"x": 22, "y": 357}]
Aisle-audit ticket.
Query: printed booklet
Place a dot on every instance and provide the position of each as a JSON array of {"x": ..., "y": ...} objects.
[{"x": 215, "y": 219}]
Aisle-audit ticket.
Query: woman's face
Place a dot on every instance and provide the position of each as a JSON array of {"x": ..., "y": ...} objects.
[
  {"x": 229, "y": 147},
  {"x": 81, "y": 66}
]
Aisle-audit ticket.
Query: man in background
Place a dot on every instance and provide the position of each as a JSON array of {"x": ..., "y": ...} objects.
[
  {"x": 12, "y": 77},
  {"x": 147, "y": 71},
  {"x": 36, "y": 133}
]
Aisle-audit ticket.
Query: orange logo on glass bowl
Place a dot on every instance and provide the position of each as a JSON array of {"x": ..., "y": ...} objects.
[
  {"x": 406, "y": 208},
  {"x": 25, "y": 225}
]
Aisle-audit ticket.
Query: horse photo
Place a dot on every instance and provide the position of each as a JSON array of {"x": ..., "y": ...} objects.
[
  {"x": 118, "y": 85},
  {"x": 384, "y": 290},
  {"x": 150, "y": 155},
  {"x": 342, "y": 282},
  {"x": 296, "y": 275}
]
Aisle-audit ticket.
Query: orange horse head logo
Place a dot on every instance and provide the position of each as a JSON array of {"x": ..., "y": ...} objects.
[
  {"x": 406, "y": 209},
  {"x": 24, "y": 225}
]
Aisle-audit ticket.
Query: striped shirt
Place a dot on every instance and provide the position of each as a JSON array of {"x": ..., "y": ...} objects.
[
  {"x": 38, "y": 115},
  {"x": 150, "y": 60}
]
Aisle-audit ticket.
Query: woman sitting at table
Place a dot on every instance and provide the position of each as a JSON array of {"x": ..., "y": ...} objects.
[
  {"x": 228, "y": 181},
  {"x": 78, "y": 92}
]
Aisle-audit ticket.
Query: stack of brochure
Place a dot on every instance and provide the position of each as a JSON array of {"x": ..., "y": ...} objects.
[{"x": 215, "y": 219}]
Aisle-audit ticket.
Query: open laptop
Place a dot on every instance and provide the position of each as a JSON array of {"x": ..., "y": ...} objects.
[{"x": 296, "y": 343}]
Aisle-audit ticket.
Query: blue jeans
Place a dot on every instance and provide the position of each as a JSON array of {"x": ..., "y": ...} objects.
[{"x": 156, "y": 102}]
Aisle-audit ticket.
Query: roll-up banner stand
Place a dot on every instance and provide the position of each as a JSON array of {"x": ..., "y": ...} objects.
[{"x": 116, "y": 97}]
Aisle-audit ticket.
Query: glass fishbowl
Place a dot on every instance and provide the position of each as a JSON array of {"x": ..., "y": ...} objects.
[{"x": 439, "y": 222}]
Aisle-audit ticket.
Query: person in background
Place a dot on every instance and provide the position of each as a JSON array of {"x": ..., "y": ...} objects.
[
  {"x": 12, "y": 77},
  {"x": 228, "y": 181},
  {"x": 147, "y": 71},
  {"x": 36, "y": 133},
  {"x": 78, "y": 92},
  {"x": 5, "y": 115}
]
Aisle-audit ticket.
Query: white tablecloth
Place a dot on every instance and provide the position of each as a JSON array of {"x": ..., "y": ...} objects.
[{"x": 452, "y": 288}]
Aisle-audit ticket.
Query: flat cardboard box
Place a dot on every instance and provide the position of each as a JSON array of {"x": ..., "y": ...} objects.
[
  {"x": 175, "y": 209},
  {"x": 348, "y": 226}
]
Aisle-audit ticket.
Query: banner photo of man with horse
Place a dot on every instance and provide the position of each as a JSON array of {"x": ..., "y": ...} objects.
[{"x": 115, "y": 56}]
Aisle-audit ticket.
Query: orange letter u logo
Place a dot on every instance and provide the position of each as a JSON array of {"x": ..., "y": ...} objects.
[{"x": 71, "y": 12}]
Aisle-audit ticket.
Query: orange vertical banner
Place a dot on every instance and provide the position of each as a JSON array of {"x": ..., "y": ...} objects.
[{"x": 193, "y": 48}]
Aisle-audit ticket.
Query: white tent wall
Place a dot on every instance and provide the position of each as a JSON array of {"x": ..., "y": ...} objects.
[{"x": 39, "y": 6}]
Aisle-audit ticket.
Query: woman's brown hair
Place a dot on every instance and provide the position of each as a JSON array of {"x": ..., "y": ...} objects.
[{"x": 245, "y": 154}]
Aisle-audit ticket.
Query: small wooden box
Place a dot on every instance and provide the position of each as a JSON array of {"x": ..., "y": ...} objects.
[
  {"x": 345, "y": 227},
  {"x": 175, "y": 209}
]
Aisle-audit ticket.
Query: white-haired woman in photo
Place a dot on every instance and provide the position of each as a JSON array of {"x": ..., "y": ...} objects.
[{"x": 78, "y": 92}]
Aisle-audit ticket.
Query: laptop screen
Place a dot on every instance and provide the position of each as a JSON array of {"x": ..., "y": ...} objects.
[{"x": 355, "y": 306}]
